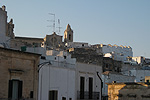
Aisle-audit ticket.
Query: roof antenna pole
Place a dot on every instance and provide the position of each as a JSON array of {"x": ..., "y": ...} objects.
[
  {"x": 59, "y": 26},
  {"x": 53, "y": 21}
]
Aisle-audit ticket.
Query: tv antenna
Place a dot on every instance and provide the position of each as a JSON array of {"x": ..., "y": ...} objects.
[
  {"x": 52, "y": 21},
  {"x": 59, "y": 26}
]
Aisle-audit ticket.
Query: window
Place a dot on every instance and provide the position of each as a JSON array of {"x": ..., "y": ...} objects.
[
  {"x": 107, "y": 65},
  {"x": 90, "y": 87},
  {"x": 69, "y": 36},
  {"x": 53, "y": 95},
  {"x": 63, "y": 98},
  {"x": 82, "y": 79},
  {"x": 15, "y": 89},
  {"x": 65, "y": 57},
  {"x": 70, "y": 98},
  {"x": 31, "y": 94}
]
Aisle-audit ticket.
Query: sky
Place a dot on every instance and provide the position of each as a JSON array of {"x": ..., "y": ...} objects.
[{"x": 121, "y": 22}]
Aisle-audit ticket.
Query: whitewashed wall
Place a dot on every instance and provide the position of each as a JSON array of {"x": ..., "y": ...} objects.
[
  {"x": 119, "y": 52},
  {"x": 60, "y": 76},
  {"x": 109, "y": 78},
  {"x": 86, "y": 71},
  {"x": 77, "y": 44},
  {"x": 56, "y": 78},
  {"x": 139, "y": 74}
]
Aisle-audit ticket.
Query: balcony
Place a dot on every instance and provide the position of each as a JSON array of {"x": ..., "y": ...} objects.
[{"x": 88, "y": 96}]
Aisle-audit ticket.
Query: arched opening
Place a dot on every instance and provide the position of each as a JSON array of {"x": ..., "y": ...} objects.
[{"x": 69, "y": 36}]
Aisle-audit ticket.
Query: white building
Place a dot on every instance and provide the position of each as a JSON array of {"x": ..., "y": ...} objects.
[
  {"x": 141, "y": 60},
  {"x": 88, "y": 82},
  {"x": 117, "y": 52},
  {"x": 38, "y": 50},
  {"x": 115, "y": 56},
  {"x": 57, "y": 80},
  {"x": 109, "y": 77},
  {"x": 76, "y": 45},
  {"x": 139, "y": 74}
]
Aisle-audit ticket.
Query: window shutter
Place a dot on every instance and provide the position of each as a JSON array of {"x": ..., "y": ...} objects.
[
  {"x": 20, "y": 89},
  {"x": 10, "y": 88}
]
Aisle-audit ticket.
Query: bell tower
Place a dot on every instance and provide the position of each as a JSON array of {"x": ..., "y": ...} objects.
[{"x": 68, "y": 34}]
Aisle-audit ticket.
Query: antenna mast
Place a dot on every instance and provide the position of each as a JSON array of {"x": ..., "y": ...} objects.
[
  {"x": 53, "y": 21},
  {"x": 59, "y": 26}
]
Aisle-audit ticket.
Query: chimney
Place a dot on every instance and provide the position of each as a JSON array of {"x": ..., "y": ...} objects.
[{"x": 3, "y": 8}]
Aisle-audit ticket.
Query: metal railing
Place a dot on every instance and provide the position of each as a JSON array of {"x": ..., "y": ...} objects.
[{"x": 88, "y": 96}]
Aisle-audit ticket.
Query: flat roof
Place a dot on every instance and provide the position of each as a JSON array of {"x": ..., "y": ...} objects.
[
  {"x": 12, "y": 50},
  {"x": 29, "y": 38}
]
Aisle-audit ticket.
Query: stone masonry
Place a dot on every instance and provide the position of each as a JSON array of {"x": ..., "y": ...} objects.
[{"x": 21, "y": 66}]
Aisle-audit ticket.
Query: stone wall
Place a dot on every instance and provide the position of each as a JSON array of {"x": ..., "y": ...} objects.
[
  {"x": 90, "y": 56},
  {"x": 3, "y": 24},
  {"x": 128, "y": 91},
  {"x": 19, "y": 42},
  {"x": 86, "y": 55},
  {"x": 53, "y": 41},
  {"x": 19, "y": 66}
]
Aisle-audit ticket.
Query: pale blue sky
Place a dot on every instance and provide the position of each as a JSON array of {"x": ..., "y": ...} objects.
[{"x": 121, "y": 22}]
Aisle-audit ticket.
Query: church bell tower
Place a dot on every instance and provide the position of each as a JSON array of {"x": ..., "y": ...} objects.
[{"x": 68, "y": 34}]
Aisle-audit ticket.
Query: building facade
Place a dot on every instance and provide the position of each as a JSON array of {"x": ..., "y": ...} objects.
[
  {"x": 109, "y": 77},
  {"x": 120, "y": 53},
  {"x": 52, "y": 41},
  {"x": 3, "y": 24},
  {"x": 18, "y": 74},
  {"x": 19, "y": 42},
  {"x": 139, "y": 74},
  {"x": 57, "y": 78},
  {"x": 6, "y": 29},
  {"x": 129, "y": 91},
  {"x": 88, "y": 81}
]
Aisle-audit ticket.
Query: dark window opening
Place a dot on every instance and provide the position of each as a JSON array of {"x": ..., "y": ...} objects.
[
  {"x": 31, "y": 94},
  {"x": 43, "y": 57},
  {"x": 82, "y": 79},
  {"x": 107, "y": 65},
  {"x": 70, "y": 98},
  {"x": 53, "y": 95},
  {"x": 65, "y": 57},
  {"x": 15, "y": 89},
  {"x": 90, "y": 87},
  {"x": 63, "y": 98},
  {"x": 69, "y": 36}
]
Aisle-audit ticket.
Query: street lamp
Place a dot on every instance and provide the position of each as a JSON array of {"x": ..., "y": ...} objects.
[
  {"x": 42, "y": 64},
  {"x": 39, "y": 68}
]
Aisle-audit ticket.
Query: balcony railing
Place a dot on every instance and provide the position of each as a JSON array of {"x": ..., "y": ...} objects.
[{"x": 88, "y": 96}]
